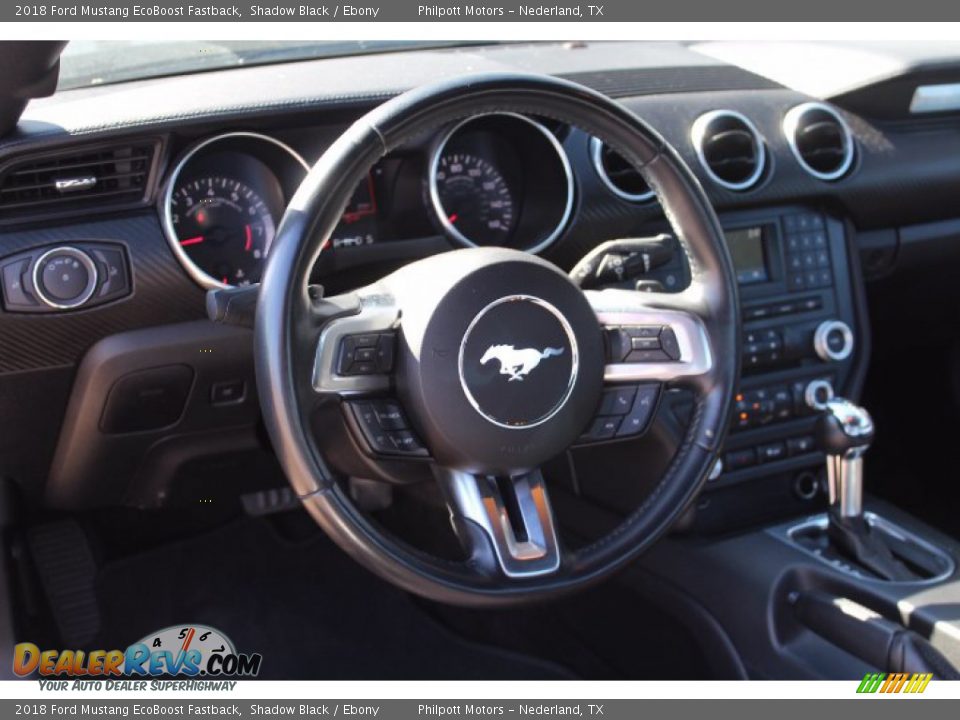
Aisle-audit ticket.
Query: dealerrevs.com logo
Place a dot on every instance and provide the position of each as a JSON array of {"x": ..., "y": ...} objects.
[{"x": 181, "y": 650}]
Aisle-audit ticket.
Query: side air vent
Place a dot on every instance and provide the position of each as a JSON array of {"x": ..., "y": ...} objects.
[
  {"x": 620, "y": 177},
  {"x": 730, "y": 149},
  {"x": 820, "y": 139},
  {"x": 92, "y": 177}
]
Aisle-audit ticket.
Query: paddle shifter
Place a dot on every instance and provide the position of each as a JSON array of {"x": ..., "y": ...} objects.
[{"x": 844, "y": 431}]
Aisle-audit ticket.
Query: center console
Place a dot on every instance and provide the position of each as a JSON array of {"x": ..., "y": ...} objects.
[{"x": 802, "y": 340}]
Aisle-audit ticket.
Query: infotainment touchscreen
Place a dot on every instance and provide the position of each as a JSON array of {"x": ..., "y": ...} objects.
[{"x": 749, "y": 254}]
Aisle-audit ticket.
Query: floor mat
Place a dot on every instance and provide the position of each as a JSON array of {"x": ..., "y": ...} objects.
[{"x": 310, "y": 610}]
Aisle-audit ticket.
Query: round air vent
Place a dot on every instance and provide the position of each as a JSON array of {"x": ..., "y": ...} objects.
[
  {"x": 730, "y": 149},
  {"x": 620, "y": 177},
  {"x": 820, "y": 139}
]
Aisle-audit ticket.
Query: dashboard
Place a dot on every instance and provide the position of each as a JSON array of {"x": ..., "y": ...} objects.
[{"x": 172, "y": 192}]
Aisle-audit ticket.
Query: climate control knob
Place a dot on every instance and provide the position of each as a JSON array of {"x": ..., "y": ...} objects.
[
  {"x": 817, "y": 394},
  {"x": 833, "y": 340},
  {"x": 64, "y": 277}
]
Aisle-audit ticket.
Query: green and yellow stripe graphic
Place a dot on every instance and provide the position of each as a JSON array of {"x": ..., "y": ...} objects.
[{"x": 894, "y": 682}]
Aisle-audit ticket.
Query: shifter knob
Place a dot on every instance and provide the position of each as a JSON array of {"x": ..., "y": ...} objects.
[
  {"x": 843, "y": 426},
  {"x": 844, "y": 431}
]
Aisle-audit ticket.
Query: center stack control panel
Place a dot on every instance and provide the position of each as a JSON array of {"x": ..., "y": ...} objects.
[{"x": 800, "y": 341}]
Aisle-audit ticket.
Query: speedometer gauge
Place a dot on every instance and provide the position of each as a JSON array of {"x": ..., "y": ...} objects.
[
  {"x": 500, "y": 179},
  {"x": 475, "y": 198},
  {"x": 224, "y": 227}
]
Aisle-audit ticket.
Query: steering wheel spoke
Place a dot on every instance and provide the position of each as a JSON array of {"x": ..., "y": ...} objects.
[
  {"x": 510, "y": 516},
  {"x": 355, "y": 353},
  {"x": 652, "y": 337}
]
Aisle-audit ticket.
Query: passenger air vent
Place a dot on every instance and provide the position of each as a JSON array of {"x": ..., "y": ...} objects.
[
  {"x": 93, "y": 177},
  {"x": 620, "y": 177},
  {"x": 730, "y": 149},
  {"x": 820, "y": 139}
]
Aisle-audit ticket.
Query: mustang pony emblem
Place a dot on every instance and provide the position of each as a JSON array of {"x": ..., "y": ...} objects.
[{"x": 517, "y": 363}]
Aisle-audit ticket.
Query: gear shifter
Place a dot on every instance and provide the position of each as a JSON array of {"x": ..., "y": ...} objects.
[{"x": 844, "y": 431}]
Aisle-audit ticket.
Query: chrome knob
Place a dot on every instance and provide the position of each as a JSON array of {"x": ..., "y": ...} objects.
[
  {"x": 64, "y": 277},
  {"x": 833, "y": 340},
  {"x": 817, "y": 394}
]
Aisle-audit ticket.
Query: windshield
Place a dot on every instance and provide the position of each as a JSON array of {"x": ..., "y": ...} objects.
[{"x": 85, "y": 63}]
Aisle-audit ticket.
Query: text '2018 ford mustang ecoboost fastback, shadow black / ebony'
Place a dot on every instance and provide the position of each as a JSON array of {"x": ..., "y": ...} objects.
[{"x": 413, "y": 360}]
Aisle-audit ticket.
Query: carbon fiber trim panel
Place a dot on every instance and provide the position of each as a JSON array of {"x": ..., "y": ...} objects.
[{"x": 162, "y": 293}]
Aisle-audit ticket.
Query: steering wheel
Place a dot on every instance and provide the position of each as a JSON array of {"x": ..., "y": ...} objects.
[{"x": 487, "y": 362}]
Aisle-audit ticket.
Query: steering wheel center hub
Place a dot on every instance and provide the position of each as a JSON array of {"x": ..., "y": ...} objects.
[
  {"x": 504, "y": 358},
  {"x": 518, "y": 361}
]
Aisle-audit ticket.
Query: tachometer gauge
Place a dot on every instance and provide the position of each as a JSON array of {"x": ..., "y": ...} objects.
[
  {"x": 222, "y": 202},
  {"x": 224, "y": 227},
  {"x": 477, "y": 203}
]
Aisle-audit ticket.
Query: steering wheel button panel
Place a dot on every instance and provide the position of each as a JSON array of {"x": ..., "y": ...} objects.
[
  {"x": 385, "y": 429},
  {"x": 644, "y": 406},
  {"x": 366, "y": 354}
]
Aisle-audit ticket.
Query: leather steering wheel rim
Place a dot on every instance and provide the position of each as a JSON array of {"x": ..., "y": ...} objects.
[{"x": 287, "y": 323}]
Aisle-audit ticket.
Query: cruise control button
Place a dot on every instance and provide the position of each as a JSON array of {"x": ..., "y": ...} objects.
[
  {"x": 642, "y": 412},
  {"x": 379, "y": 440},
  {"x": 389, "y": 415},
  {"x": 617, "y": 401},
  {"x": 406, "y": 442}
]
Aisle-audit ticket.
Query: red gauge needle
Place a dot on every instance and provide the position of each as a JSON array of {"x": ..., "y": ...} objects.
[
  {"x": 452, "y": 218},
  {"x": 249, "y": 246},
  {"x": 192, "y": 241}
]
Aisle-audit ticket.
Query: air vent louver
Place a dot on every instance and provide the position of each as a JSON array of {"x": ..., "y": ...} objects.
[
  {"x": 730, "y": 149},
  {"x": 820, "y": 140},
  {"x": 620, "y": 177},
  {"x": 76, "y": 179}
]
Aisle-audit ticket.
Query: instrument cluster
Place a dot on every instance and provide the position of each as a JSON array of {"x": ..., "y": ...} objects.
[{"x": 497, "y": 179}]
